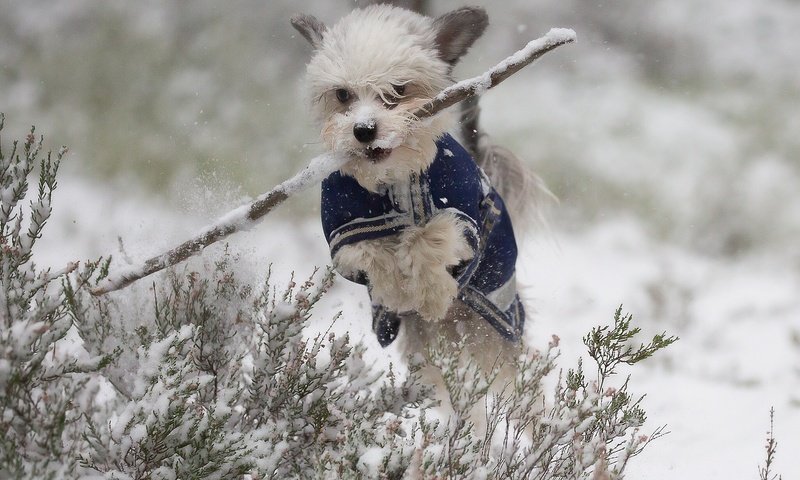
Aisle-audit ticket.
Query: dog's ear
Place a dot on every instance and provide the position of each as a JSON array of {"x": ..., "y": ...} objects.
[
  {"x": 456, "y": 31},
  {"x": 309, "y": 27}
]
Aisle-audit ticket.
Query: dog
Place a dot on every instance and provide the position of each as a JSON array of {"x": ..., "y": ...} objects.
[{"x": 412, "y": 216}]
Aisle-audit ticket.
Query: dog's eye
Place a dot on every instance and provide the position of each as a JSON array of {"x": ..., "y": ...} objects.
[
  {"x": 393, "y": 97},
  {"x": 343, "y": 95}
]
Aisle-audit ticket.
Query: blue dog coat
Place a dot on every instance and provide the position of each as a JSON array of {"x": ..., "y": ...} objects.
[{"x": 452, "y": 183}]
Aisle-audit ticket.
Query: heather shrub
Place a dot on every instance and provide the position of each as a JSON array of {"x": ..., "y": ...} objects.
[{"x": 203, "y": 374}]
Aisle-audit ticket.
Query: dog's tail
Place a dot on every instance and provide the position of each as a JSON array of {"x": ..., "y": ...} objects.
[{"x": 525, "y": 194}]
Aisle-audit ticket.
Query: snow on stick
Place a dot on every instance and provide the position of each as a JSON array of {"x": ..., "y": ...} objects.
[
  {"x": 478, "y": 85},
  {"x": 241, "y": 218},
  {"x": 244, "y": 217}
]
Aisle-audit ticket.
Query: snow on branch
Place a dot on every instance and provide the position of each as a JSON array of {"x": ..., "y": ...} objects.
[
  {"x": 475, "y": 86},
  {"x": 241, "y": 218},
  {"x": 244, "y": 217}
]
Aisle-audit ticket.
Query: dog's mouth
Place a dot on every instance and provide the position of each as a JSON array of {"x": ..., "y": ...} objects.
[{"x": 376, "y": 154}]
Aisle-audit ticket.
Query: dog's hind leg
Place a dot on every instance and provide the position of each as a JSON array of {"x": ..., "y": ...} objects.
[{"x": 477, "y": 341}]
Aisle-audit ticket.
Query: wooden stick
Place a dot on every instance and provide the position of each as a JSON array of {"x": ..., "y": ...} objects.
[
  {"x": 322, "y": 166},
  {"x": 511, "y": 65}
]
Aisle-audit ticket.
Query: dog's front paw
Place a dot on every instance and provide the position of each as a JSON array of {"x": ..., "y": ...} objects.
[
  {"x": 376, "y": 260},
  {"x": 424, "y": 254},
  {"x": 435, "y": 292},
  {"x": 439, "y": 243}
]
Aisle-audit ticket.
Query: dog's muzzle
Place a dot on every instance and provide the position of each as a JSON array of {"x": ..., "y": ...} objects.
[{"x": 366, "y": 132}]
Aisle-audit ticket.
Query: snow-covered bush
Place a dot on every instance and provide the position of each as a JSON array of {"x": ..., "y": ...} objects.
[
  {"x": 38, "y": 382},
  {"x": 223, "y": 383},
  {"x": 204, "y": 375},
  {"x": 585, "y": 429}
]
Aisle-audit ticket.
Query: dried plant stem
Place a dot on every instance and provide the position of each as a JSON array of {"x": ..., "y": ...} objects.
[
  {"x": 322, "y": 166},
  {"x": 765, "y": 473}
]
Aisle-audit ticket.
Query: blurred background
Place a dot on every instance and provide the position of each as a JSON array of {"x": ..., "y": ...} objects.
[
  {"x": 669, "y": 133},
  {"x": 680, "y": 114}
]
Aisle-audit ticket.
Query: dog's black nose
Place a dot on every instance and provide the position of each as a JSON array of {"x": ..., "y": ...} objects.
[{"x": 365, "y": 132}]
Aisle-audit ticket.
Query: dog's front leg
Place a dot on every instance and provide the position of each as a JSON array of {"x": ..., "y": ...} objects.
[
  {"x": 378, "y": 260},
  {"x": 424, "y": 254}
]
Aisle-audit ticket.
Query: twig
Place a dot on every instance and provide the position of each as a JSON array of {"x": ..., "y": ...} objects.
[
  {"x": 48, "y": 276},
  {"x": 771, "y": 447},
  {"x": 323, "y": 165}
]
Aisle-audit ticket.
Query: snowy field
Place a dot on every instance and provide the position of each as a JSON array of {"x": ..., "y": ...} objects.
[
  {"x": 714, "y": 388},
  {"x": 669, "y": 133}
]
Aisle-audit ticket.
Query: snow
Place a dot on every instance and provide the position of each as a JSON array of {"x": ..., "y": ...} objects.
[
  {"x": 552, "y": 37},
  {"x": 392, "y": 140},
  {"x": 138, "y": 432},
  {"x": 363, "y": 114},
  {"x": 370, "y": 460},
  {"x": 318, "y": 168}
]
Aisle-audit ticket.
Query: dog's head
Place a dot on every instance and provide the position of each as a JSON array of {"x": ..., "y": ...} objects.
[{"x": 371, "y": 71}]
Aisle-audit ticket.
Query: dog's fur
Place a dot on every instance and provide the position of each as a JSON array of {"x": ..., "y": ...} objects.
[{"x": 370, "y": 53}]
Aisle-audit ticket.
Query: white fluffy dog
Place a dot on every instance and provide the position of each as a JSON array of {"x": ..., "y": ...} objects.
[{"x": 412, "y": 216}]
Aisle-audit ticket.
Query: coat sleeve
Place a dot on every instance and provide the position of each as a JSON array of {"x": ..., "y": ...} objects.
[{"x": 351, "y": 214}]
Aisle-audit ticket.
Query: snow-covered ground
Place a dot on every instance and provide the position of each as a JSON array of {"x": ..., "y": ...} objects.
[{"x": 735, "y": 359}]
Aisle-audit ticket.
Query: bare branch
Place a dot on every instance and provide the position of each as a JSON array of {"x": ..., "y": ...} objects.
[{"x": 320, "y": 167}]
